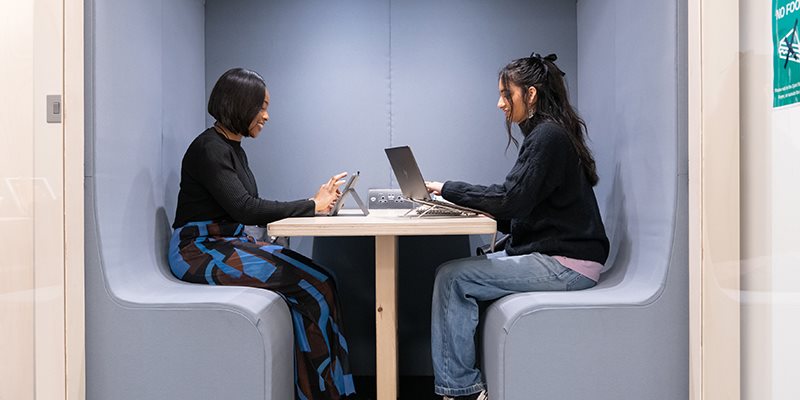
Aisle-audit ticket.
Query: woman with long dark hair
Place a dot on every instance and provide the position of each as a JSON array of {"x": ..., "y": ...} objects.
[
  {"x": 218, "y": 197},
  {"x": 547, "y": 205}
]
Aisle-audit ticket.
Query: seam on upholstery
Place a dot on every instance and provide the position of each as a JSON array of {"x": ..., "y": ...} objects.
[
  {"x": 391, "y": 127},
  {"x": 89, "y": 66}
]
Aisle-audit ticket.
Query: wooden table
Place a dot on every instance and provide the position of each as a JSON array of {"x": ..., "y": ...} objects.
[{"x": 385, "y": 226}]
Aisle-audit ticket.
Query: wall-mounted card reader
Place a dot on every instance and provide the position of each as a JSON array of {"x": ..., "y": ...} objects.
[{"x": 54, "y": 109}]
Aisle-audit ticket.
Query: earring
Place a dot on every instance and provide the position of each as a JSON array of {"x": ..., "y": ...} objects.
[{"x": 531, "y": 111}]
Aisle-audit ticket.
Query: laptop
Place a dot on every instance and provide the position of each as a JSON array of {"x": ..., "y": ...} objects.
[{"x": 413, "y": 187}]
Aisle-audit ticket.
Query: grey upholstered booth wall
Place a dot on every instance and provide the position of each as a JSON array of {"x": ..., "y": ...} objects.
[
  {"x": 631, "y": 68},
  {"x": 348, "y": 79},
  {"x": 626, "y": 338},
  {"x": 149, "y": 336},
  {"x": 326, "y": 65},
  {"x": 445, "y": 59}
]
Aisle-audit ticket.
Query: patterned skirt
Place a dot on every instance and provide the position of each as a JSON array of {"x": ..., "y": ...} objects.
[{"x": 221, "y": 254}]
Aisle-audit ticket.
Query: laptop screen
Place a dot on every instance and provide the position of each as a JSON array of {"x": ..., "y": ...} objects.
[{"x": 407, "y": 173}]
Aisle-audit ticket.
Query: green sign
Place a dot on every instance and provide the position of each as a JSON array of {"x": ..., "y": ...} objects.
[{"x": 786, "y": 57}]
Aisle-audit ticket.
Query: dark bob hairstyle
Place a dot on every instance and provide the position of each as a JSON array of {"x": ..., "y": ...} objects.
[{"x": 236, "y": 99}]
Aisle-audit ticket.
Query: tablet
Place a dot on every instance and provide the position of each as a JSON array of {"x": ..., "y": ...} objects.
[{"x": 348, "y": 186}]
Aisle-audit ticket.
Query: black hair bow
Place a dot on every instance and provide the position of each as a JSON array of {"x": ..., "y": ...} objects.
[{"x": 550, "y": 57}]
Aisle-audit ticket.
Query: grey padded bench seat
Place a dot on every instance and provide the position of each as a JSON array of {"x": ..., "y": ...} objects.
[{"x": 628, "y": 337}]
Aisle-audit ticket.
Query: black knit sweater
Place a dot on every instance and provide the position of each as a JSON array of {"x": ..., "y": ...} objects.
[
  {"x": 217, "y": 185},
  {"x": 546, "y": 200}
]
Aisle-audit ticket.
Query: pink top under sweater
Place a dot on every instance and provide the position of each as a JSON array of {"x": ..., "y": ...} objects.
[{"x": 589, "y": 269}]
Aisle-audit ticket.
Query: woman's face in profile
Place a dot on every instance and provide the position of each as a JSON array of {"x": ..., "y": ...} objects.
[
  {"x": 519, "y": 111},
  {"x": 261, "y": 118}
]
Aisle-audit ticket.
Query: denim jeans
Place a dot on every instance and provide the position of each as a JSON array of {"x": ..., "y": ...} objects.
[{"x": 459, "y": 285}]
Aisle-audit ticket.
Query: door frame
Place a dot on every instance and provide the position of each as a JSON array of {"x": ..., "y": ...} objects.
[
  {"x": 714, "y": 255},
  {"x": 73, "y": 199}
]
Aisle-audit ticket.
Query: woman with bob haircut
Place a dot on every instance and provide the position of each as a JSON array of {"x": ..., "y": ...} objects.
[
  {"x": 547, "y": 204},
  {"x": 218, "y": 197}
]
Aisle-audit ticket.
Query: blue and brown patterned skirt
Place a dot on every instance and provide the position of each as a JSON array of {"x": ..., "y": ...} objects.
[{"x": 219, "y": 253}]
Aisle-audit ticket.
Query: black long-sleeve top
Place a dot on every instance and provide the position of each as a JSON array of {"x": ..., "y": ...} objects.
[
  {"x": 217, "y": 185},
  {"x": 546, "y": 200}
]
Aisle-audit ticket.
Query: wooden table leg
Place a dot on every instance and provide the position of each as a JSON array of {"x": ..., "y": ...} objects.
[{"x": 386, "y": 316}]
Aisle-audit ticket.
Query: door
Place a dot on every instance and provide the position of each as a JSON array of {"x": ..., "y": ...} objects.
[{"x": 34, "y": 299}]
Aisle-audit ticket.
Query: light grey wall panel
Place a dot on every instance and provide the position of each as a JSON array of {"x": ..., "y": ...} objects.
[
  {"x": 148, "y": 105},
  {"x": 632, "y": 69},
  {"x": 627, "y": 72},
  {"x": 184, "y": 100},
  {"x": 326, "y": 65},
  {"x": 145, "y": 81},
  {"x": 445, "y": 59},
  {"x": 128, "y": 124}
]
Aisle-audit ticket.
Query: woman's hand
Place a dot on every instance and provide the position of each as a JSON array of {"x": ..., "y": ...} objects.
[
  {"x": 434, "y": 187},
  {"x": 328, "y": 194}
]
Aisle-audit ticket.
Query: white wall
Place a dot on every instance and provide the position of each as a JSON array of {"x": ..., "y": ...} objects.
[
  {"x": 785, "y": 254},
  {"x": 770, "y": 219}
]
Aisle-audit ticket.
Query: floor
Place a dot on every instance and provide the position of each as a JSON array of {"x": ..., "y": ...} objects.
[{"x": 411, "y": 388}]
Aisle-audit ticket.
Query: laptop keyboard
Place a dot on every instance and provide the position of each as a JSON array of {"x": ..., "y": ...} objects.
[{"x": 441, "y": 211}]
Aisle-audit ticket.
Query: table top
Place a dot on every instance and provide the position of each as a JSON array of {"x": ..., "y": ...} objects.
[{"x": 381, "y": 223}]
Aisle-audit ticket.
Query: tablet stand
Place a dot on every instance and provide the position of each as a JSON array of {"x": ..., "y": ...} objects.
[{"x": 360, "y": 203}]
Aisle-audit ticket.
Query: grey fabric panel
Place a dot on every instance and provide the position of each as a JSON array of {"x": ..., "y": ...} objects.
[
  {"x": 149, "y": 335},
  {"x": 627, "y": 54},
  {"x": 326, "y": 65},
  {"x": 183, "y": 93},
  {"x": 417, "y": 263},
  {"x": 627, "y": 337},
  {"x": 445, "y": 59},
  {"x": 352, "y": 260},
  {"x": 88, "y": 87}
]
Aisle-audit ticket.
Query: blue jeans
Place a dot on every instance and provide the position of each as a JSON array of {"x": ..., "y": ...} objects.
[{"x": 459, "y": 285}]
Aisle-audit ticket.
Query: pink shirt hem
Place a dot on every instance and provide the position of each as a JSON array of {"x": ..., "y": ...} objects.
[{"x": 589, "y": 269}]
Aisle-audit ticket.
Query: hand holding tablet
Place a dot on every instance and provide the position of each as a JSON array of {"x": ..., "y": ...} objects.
[{"x": 349, "y": 187}]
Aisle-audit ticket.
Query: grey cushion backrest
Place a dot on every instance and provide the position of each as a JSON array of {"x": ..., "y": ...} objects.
[
  {"x": 148, "y": 335},
  {"x": 627, "y": 338}
]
